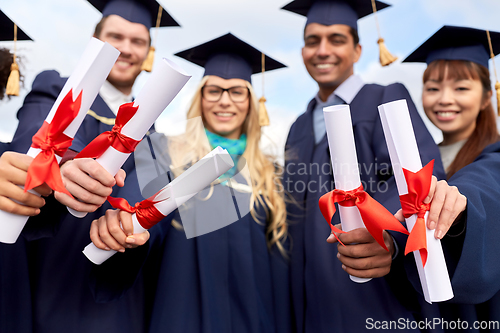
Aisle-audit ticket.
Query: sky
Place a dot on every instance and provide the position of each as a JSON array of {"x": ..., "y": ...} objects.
[{"x": 61, "y": 30}]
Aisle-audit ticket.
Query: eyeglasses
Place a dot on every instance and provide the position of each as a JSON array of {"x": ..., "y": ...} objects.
[{"x": 213, "y": 93}]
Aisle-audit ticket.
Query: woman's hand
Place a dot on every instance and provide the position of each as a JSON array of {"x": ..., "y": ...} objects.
[
  {"x": 13, "y": 173},
  {"x": 447, "y": 205},
  {"x": 115, "y": 231}
]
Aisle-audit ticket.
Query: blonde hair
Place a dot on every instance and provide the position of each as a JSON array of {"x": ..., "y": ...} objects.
[{"x": 264, "y": 180}]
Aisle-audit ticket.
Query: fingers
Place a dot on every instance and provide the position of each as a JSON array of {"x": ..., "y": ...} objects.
[
  {"x": 363, "y": 256},
  {"x": 88, "y": 182},
  {"x": 13, "y": 172},
  {"x": 75, "y": 204},
  {"x": 399, "y": 216},
  {"x": 10, "y": 206},
  {"x": 120, "y": 177},
  {"x": 446, "y": 205},
  {"x": 106, "y": 232},
  {"x": 431, "y": 190},
  {"x": 138, "y": 239},
  {"x": 44, "y": 190},
  {"x": 332, "y": 239}
]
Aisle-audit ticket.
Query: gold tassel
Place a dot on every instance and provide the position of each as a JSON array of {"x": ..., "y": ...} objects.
[
  {"x": 147, "y": 65},
  {"x": 263, "y": 116},
  {"x": 12, "y": 88},
  {"x": 386, "y": 58},
  {"x": 497, "y": 88}
]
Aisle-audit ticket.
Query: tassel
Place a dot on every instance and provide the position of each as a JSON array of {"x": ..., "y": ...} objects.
[
  {"x": 12, "y": 88},
  {"x": 147, "y": 65},
  {"x": 497, "y": 88},
  {"x": 386, "y": 58},
  {"x": 263, "y": 117}
]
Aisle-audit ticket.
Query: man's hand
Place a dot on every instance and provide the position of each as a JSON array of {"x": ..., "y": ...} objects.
[
  {"x": 13, "y": 173},
  {"x": 362, "y": 256},
  {"x": 115, "y": 231},
  {"x": 89, "y": 182}
]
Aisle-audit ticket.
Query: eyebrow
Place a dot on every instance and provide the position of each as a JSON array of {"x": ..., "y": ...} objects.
[{"x": 336, "y": 34}]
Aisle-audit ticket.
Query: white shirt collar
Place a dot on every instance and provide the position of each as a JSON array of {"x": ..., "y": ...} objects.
[
  {"x": 113, "y": 97},
  {"x": 347, "y": 90}
]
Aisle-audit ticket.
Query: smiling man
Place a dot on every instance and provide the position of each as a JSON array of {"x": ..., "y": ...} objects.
[
  {"x": 58, "y": 272},
  {"x": 324, "y": 298}
]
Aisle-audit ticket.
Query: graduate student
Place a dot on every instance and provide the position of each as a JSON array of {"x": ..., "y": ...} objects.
[
  {"x": 62, "y": 301},
  {"x": 457, "y": 99},
  {"x": 15, "y": 295},
  {"x": 10, "y": 76},
  {"x": 234, "y": 279},
  {"x": 324, "y": 298}
]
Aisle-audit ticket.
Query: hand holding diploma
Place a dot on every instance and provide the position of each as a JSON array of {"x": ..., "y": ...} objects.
[
  {"x": 88, "y": 181},
  {"x": 60, "y": 126},
  {"x": 151, "y": 211},
  {"x": 111, "y": 149},
  {"x": 13, "y": 174},
  {"x": 414, "y": 184},
  {"x": 356, "y": 208}
]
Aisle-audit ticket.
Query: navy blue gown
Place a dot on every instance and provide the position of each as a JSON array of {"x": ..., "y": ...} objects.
[
  {"x": 471, "y": 247},
  {"x": 223, "y": 281},
  {"x": 324, "y": 298},
  {"x": 58, "y": 272}
]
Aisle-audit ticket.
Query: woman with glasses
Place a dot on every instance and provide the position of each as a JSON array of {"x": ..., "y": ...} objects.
[{"x": 235, "y": 278}]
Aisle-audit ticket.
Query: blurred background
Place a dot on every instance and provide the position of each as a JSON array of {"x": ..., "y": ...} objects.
[{"x": 61, "y": 30}]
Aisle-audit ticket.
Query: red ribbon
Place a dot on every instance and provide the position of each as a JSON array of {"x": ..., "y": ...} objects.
[
  {"x": 145, "y": 211},
  {"x": 52, "y": 141},
  {"x": 113, "y": 138},
  {"x": 419, "y": 184},
  {"x": 375, "y": 217}
]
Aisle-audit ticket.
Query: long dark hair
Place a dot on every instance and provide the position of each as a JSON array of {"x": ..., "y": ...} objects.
[{"x": 486, "y": 131}]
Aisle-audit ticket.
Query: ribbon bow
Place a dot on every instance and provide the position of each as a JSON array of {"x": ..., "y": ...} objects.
[
  {"x": 113, "y": 138},
  {"x": 145, "y": 211},
  {"x": 51, "y": 140},
  {"x": 375, "y": 217},
  {"x": 419, "y": 184}
]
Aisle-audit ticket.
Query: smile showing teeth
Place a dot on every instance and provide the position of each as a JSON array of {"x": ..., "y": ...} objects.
[
  {"x": 323, "y": 66},
  {"x": 224, "y": 114},
  {"x": 446, "y": 114},
  {"x": 122, "y": 63}
]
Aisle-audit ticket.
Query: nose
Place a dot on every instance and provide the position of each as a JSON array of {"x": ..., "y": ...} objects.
[
  {"x": 125, "y": 47},
  {"x": 323, "y": 49},
  {"x": 446, "y": 97},
  {"x": 225, "y": 99}
]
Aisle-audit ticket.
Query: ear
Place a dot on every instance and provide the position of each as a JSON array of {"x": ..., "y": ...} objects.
[
  {"x": 487, "y": 100},
  {"x": 357, "y": 52}
]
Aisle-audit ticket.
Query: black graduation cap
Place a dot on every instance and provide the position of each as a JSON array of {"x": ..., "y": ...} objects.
[
  {"x": 229, "y": 58},
  {"x": 7, "y": 29},
  {"x": 328, "y": 12},
  {"x": 138, "y": 11},
  {"x": 457, "y": 43}
]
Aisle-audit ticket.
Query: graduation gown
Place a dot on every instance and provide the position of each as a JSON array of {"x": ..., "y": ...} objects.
[
  {"x": 223, "y": 281},
  {"x": 471, "y": 247},
  {"x": 58, "y": 271},
  {"x": 324, "y": 298}
]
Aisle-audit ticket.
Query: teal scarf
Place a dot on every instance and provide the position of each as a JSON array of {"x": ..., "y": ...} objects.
[{"x": 235, "y": 147}]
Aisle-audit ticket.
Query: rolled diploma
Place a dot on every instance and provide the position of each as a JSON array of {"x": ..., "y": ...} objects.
[
  {"x": 180, "y": 190},
  {"x": 161, "y": 88},
  {"x": 404, "y": 153},
  {"x": 89, "y": 75},
  {"x": 344, "y": 163}
]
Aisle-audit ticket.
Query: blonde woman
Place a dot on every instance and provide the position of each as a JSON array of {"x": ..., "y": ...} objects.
[{"x": 234, "y": 279}]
